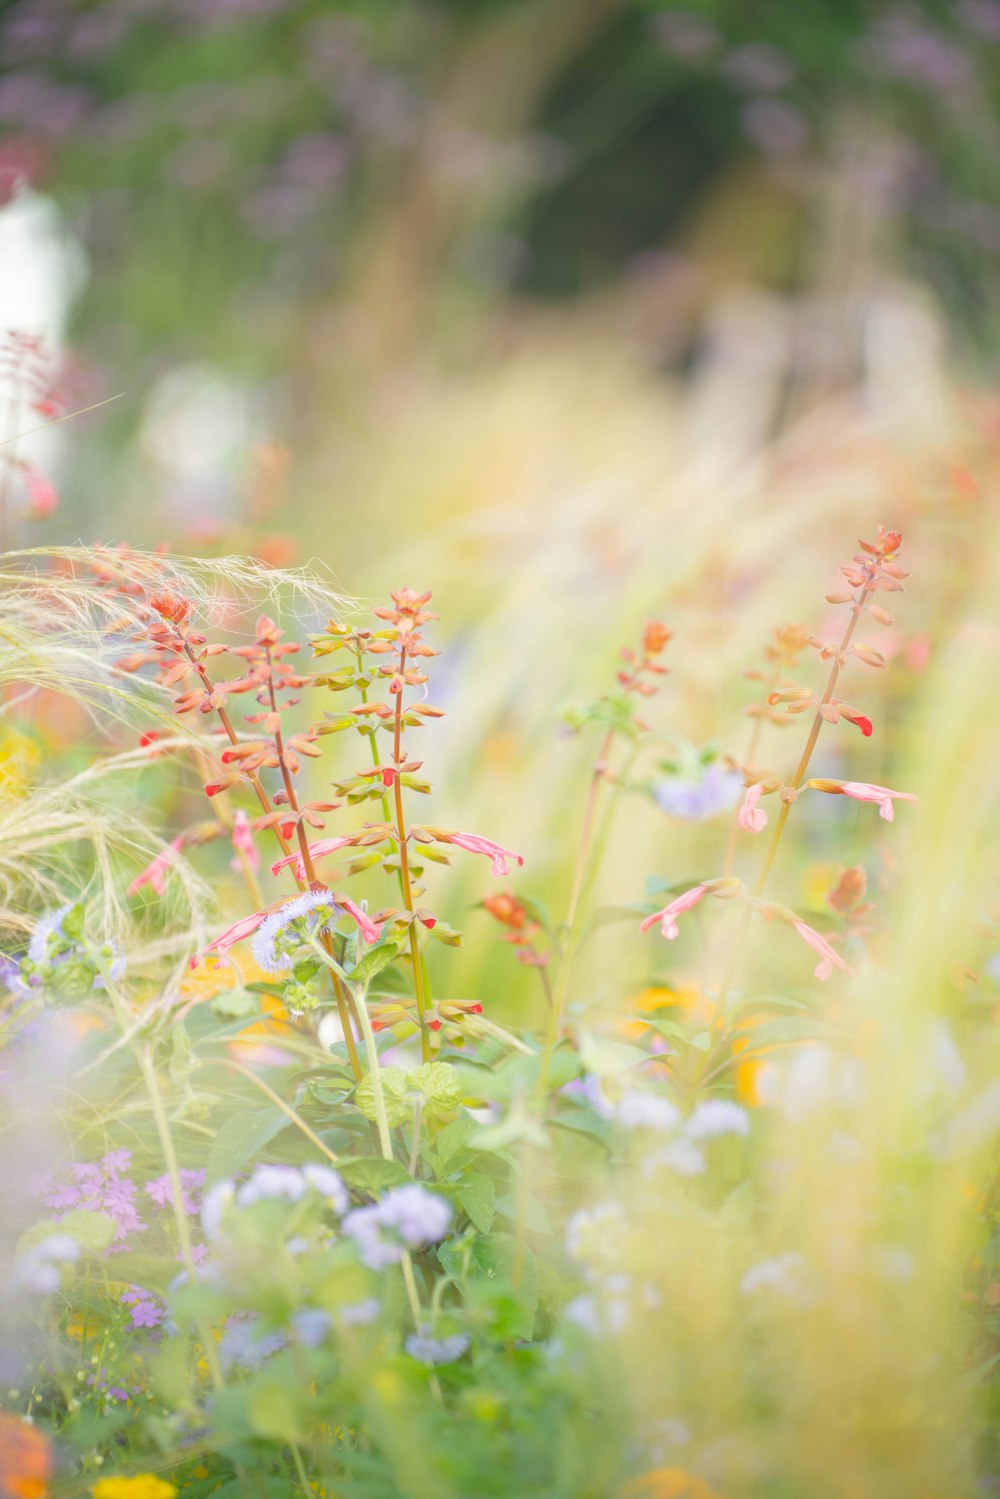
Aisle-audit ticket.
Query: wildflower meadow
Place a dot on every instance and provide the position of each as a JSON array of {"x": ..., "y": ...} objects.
[{"x": 499, "y": 786}]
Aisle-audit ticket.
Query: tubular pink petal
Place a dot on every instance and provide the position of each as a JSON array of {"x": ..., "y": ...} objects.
[
  {"x": 317, "y": 850},
  {"x": 155, "y": 873},
  {"x": 752, "y": 820},
  {"x": 668, "y": 916},
  {"x": 368, "y": 928},
  {"x": 237, "y": 932},
  {"x": 243, "y": 842},
  {"x": 864, "y": 791},
  {"x": 496, "y": 854},
  {"x": 829, "y": 958}
]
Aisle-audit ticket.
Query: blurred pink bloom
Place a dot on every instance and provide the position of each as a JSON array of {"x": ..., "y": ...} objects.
[
  {"x": 829, "y": 958},
  {"x": 475, "y": 845},
  {"x": 863, "y": 791},
  {"x": 43, "y": 493},
  {"x": 668, "y": 916},
  {"x": 243, "y": 843},
  {"x": 752, "y": 820},
  {"x": 155, "y": 874}
]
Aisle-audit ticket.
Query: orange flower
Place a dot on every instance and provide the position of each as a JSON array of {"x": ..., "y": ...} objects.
[
  {"x": 25, "y": 1460},
  {"x": 668, "y": 1483}
]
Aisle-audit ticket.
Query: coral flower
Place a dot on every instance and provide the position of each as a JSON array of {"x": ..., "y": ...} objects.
[
  {"x": 864, "y": 791},
  {"x": 829, "y": 958},
  {"x": 752, "y": 820},
  {"x": 25, "y": 1460},
  {"x": 497, "y": 855},
  {"x": 668, "y": 916},
  {"x": 317, "y": 850},
  {"x": 243, "y": 843}
]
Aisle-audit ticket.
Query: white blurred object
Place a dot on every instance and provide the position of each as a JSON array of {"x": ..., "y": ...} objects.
[{"x": 197, "y": 428}]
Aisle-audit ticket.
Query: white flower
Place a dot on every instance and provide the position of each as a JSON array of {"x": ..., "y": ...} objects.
[
  {"x": 325, "y": 1181},
  {"x": 269, "y": 1182},
  {"x": 782, "y": 1274},
  {"x": 638, "y": 1110},
  {"x": 214, "y": 1206},
  {"x": 38, "y": 1269},
  {"x": 717, "y": 1116},
  {"x": 428, "y": 1350}
]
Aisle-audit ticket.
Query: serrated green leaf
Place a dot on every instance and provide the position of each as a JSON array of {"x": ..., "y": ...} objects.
[
  {"x": 376, "y": 959},
  {"x": 439, "y": 1086},
  {"x": 399, "y": 1105}
]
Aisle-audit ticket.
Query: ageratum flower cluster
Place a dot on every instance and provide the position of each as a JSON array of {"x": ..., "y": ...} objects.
[{"x": 62, "y": 962}]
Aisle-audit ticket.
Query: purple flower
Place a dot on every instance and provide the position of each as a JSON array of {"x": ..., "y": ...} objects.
[
  {"x": 696, "y": 801},
  {"x": 406, "y": 1218},
  {"x": 38, "y": 1269},
  {"x": 161, "y": 1190},
  {"x": 146, "y": 1310},
  {"x": 244, "y": 1344},
  {"x": 775, "y": 127},
  {"x": 271, "y": 1182},
  {"x": 759, "y": 66},
  {"x": 427, "y": 1350},
  {"x": 100, "y": 1188}
]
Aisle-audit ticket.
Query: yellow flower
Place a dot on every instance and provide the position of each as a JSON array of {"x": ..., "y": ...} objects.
[
  {"x": 142, "y": 1486},
  {"x": 668, "y": 1483},
  {"x": 19, "y": 757}
]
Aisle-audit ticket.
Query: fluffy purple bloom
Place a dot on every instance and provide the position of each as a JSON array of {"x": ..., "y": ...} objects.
[
  {"x": 325, "y": 1181},
  {"x": 244, "y": 1345},
  {"x": 427, "y": 1350},
  {"x": 38, "y": 1269},
  {"x": 271, "y": 1182},
  {"x": 717, "y": 1116},
  {"x": 696, "y": 801},
  {"x": 281, "y": 934},
  {"x": 405, "y": 1218},
  {"x": 311, "y": 1325}
]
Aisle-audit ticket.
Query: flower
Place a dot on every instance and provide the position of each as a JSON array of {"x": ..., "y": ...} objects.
[
  {"x": 141, "y": 1486},
  {"x": 317, "y": 850},
  {"x": 26, "y": 1461},
  {"x": 42, "y": 492},
  {"x": 474, "y": 844},
  {"x": 271, "y": 1182},
  {"x": 218, "y": 1199},
  {"x": 244, "y": 1345},
  {"x": 405, "y": 1218},
  {"x": 244, "y": 847},
  {"x": 284, "y": 931},
  {"x": 717, "y": 1116},
  {"x": 162, "y": 1192},
  {"x": 145, "y": 1310},
  {"x": 828, "y": 956},
  {"x": 752, "y": 820},
  {"x": 38, "y": 1268},
  {"x": 427, "y": 1350},
  {"x": 155, "y": 874},
  {"x": 863, "y": 791},
  {"x": 369, "y": 929},
  {"x": 245, "y": 927},
  {"x": 668, "y": 916},
  {"x": 696, "y": 801},
  {"x": 325, "y": 1181}
]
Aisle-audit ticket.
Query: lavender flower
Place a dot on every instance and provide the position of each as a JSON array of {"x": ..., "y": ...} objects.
[
  {"x": 427, "y": 1350},
  {"x": 328, "y": 1184},
  {"x": 146, "y": 1311},
  {"x": 162, "y": 1192},
  {"x": 359, "y": 1313},
  {"x": 406, "y": 1218},
  {"x": 280, "y": 936},
  {"x": 61, "y": 961},
  {"x": 217, "y": 1201},
  {"x": 38, "y": 1269},
  {"x": 638, "y": 1110},
  {"x": 243, "y": 1344},
  {"x": 717, "y": 1116},
  {"x": 100, "y": 1188},
  {"x": 697, "y": 801},
  {"x": 271, "y": 1181},
  {"x": 311, "y": 1325}
]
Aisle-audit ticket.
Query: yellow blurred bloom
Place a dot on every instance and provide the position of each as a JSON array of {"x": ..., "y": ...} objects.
[
  {"x": 19, "y": 757},
  {"x": 668, "y": 1483},
  {"x": 142, "y": 1486}
]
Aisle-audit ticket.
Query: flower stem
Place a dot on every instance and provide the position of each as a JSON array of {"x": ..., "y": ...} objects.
[{"x": 420, "y": 988}]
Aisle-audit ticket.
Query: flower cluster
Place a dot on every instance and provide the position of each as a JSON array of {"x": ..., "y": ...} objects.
[
  {"x": 61, "y": 961},
  {"x": 39, "y": 1268},
  {"x": 101, "y": 1187},
  {"x": 405, "y": 1218}
]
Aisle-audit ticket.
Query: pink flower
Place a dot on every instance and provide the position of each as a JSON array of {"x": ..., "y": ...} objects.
[
  {"x": 368, "y": 928},
  {"x": 668, "y": 916},
  {"x": 235, "y": 933},
  {"x": 155, "y": 874},
  {"x": 829, "y": 958},
  {"x": 317, "y": 850},
  {"x": 43, "y": 493},
  {"x": 752, "y": 820},
  {"x": 475, "y": 845},
  {"x": 862, "y": 791},
  {"x": 244, "y": 844}
]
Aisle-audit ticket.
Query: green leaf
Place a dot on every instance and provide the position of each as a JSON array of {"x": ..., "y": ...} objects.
[
  {"x": 442, "y": 932},
  {"x": 375, "y": 959},
  {"x": 439, "y": 1086},
  {"x": 478, "y": 1197},
  {"x": 92, "y": 1231},
  {"x": 239, "y": 1139},
  {"x": 399, "y": 1105},
  {"x": 607, "y": 1058},
  {"x": 372, "y": 1174},
  {"x": 272, "y": 1412}
]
